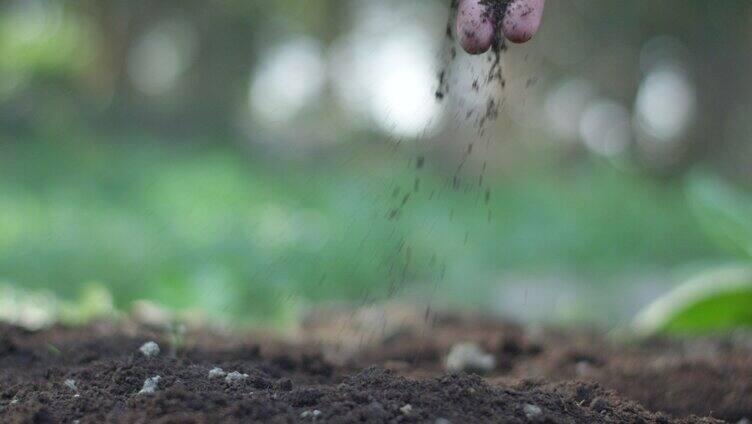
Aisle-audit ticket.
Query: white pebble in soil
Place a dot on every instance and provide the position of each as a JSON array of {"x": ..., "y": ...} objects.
[
  {"x": 71, "y": 384},
  {"x": 407, "y": 409},
  {"x": 584, "y": 368},
  {"x": 469, "y": 357},
  {"x": 235, "y": 377},
  {"x": 150, "y": 349},
  {"x": 532, "y": 411},
  {"x": 150, "y": 385},
  {"x": 310, "y": 414},
  {"x": 217, "y": 372}
]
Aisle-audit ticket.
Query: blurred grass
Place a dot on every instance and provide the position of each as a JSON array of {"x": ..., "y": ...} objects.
[{"x": 199, "y": 225}]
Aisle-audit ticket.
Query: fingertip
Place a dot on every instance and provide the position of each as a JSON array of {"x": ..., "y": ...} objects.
[
  {"x": 522, "y": 20},
  {"x": 475, "y": 30}
]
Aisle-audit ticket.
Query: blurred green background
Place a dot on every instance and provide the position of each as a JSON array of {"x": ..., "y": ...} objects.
[{"x": 248, "y": 160}]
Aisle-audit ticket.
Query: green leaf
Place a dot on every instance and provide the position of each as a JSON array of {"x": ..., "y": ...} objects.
[
  {"x": 724, "y": 212},
  {"x": 718, "y": 300}
]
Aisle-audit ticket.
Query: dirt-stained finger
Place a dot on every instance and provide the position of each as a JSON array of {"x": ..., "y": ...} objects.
[
  {"x": 522, "y": 20},
  {"x": 475, "y": 29}
]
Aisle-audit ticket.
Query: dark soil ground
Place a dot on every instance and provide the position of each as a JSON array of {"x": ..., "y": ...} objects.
[{"x": 340, "y": 371}]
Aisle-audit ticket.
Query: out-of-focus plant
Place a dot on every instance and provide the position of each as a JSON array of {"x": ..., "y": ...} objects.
[
  {"x": 723, "y": 212},
  {"x": 94, "y": 301},
  {"x": 718, "y": 299},
  {"x": 34, "y": 309},
  {"x": 45, "y": 38},
  {"x": 198, "y": 226}
]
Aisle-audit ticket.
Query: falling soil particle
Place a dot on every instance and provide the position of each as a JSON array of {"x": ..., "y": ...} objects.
[{"x": 491, "y": 78}]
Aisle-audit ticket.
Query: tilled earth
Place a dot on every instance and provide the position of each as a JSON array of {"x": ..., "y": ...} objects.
[{"x": 341, "y": 370}]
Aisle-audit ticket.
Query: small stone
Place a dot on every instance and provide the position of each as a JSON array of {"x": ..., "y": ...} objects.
[
  {"x": 469, "y": 357},
  {"x": 532, "y": 411},
  {"x": 442, "y": 421},
  {"x": 310, "y": 414},
  {"x": 217, "y": 372},
  {"x": 150, "y": 349},
  {"x": 71, "y": 384},
  {"x": 150, "y": 385},
  {"x": 744, "y": 421},
  {"x": 583, "y": 368},
  {"x": 407, "y": 409},
  {"x": 235, "y": 376}
]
